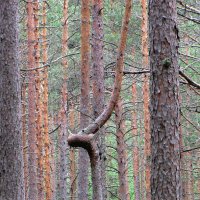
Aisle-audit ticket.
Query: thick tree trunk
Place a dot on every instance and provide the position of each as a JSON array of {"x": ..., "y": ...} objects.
[
  {"x": 145, "y": 88},
  {"x": 11, "y": 156},
  {"x": 123, "y": 191},
  {"x": 83, "y": 160},
  {"x": 46, "y": 139},
  {"x": 98, "y": 83},
  {"x": 63, "y": 134},
  {"x": 165, "y": 141},
  {"x": 32, "y": 140},
  {"x": 136, "y": 157}
]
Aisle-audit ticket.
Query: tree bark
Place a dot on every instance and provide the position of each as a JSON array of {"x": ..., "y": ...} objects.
[
  {"x": 83, "y": 160},
  {"x": 145, "y": 63},
  {"x": 11, "y": 153},
  {"x": 38, "y": 100},
  {"x": 72, "y": 159},
  {"x": 46, "y": 139},
  {"x": 32, "y": 140},
  {"x": 165, "y": 141},
  {"x": 123, "y": 191},
  {"x": 98, "y": 83},
  {"x": 24, "y": 138},
  {"x": 136, "y": 157},
  {"x": 64, "y": 134}
]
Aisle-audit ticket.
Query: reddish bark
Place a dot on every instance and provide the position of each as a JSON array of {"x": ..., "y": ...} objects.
[
  {"x": 135, "y": 145},
  {"x": 32, "y": 140},
  {"x": 46, "y": 139},
  {"x": 38, "y": 119},
  {"x": 145, "y": 63},
  {"x": 123, "y": 191},
  {"x": 83, "y": 160}
]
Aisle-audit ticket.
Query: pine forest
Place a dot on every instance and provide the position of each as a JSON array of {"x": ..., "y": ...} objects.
[{"x": 99, "y": 100}]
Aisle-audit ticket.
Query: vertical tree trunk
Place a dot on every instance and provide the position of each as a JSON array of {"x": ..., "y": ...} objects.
[
  {"x": 165, "y": 141},
  {"x": 98, "y": 82},
  {"x": 123, "y": 191},
  {"x": 11, "y": 156},
  {"x": 136, "y": 160},
  {"x": 32, "y": 140},
  {"x": 145, "y": 88},
  {"x": 24, "y": 139},
  {"x": 38, "y": 119},
  {"x": 72, "y": 159},
  {"x": 83, "y": 160},
  {"x": 63, "y": 134},
  {"x": 47, "y": 176}
]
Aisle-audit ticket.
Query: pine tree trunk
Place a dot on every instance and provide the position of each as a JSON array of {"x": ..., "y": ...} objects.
[
  {"x": 136, "y": 157},
  {"x": 98, "y": 83},
  {"x": 11, "y": 153},
  {"x": 123, "y": 191},
  {"x": 83, "y": 159},
  {"x": 63, "y": 134},
  {"x": 24, "y": 138},
  {"x": 145, "y": 88},
  {"x": 46, "y": 139},
  {"x": 38, "y": 119},
  {"x": 72, "y": 159},
  {"x": 165, "y": 141},
  {"x": 32, "y": 140}
]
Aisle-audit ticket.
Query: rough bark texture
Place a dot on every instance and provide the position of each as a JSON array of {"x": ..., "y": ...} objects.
[
  {"x": 165, "y": 142},
  {"x": 83, "y": 160},
  {"x": 32, "y": 140},
  {"x": 123, "y": 191},
  {"x": 11, "y": 158},
  {"x": 145, "y": 63},
  {"x": 63, "y": 146},
  {"x": 46, "y": 139},
  {"x": 38, "y": 100},
  {"x": 136, "y": 157},
  {"x": 98, "y": 83}
]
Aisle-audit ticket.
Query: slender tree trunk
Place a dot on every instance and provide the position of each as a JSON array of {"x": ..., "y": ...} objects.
[
  {"x": 136, "y": 159},
  {"x": 123, "y": 191},
  {"x": 145, "y": 64},
  {"x": 83, "y": 160},
  {"x": 11, "y": 153},
  {"x": 165, "y": 141},
  {"x": 24, "y": 138},
  {"x": 38, "y": 118},
  {"x": 46, "y": 140},
  {"x": 98, "y": 82},
  {"x": 63, "y": 137},
  {"x": 32, "y": 140},
  {"x": 72, "y": 159}
]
